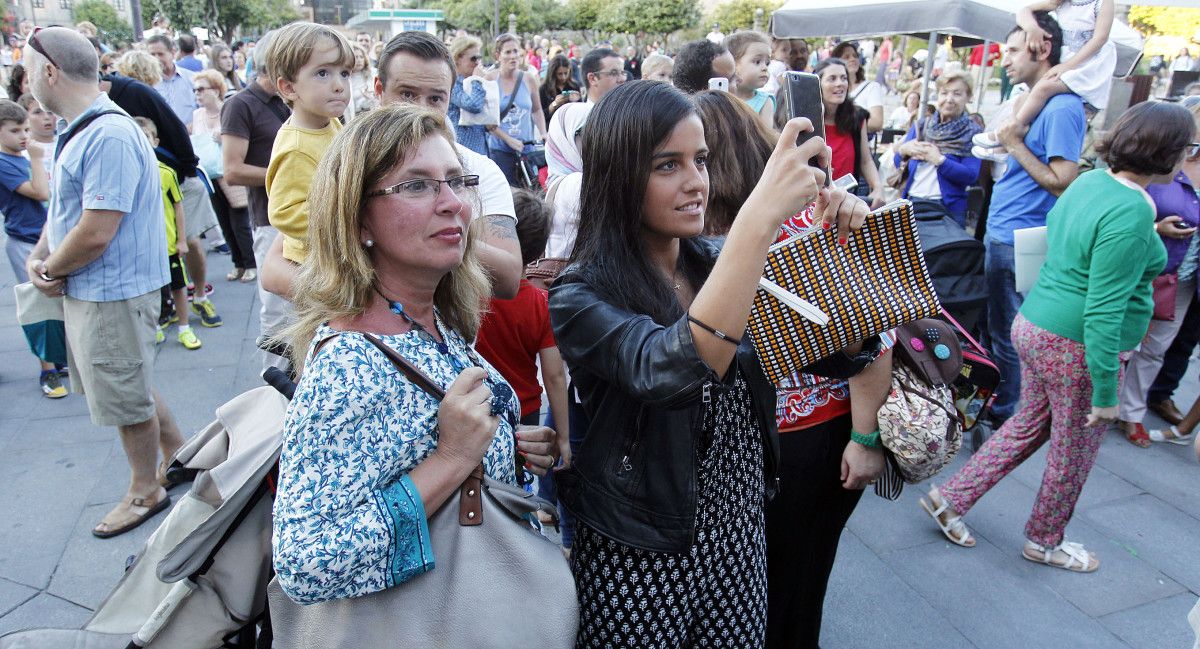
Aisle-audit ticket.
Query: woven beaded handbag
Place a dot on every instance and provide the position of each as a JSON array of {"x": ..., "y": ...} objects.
[{"x": 817, "y": 296}]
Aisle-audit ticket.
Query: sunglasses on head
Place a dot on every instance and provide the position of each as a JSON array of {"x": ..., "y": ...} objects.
[{"x": 37, "y": 46}]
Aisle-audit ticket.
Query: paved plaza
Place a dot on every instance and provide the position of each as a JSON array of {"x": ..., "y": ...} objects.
[{"x": 897, "y": 583}]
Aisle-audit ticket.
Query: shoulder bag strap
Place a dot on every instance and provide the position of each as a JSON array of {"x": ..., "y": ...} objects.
[
  {"x": 513, "y": 97},
  {"x": 79, "y": 126},
  {"x": 409, "y": 370}
]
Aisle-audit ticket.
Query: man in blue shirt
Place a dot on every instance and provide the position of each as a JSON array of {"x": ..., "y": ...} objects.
[
  {"x": 176, "y": 85},
  {"x": 187, "y": 50},
  {"x": 1043, "y": 160},
  {"x": 104, "y": 248}
]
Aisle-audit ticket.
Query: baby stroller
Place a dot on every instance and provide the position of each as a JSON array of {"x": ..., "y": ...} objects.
[
  {"x": 200, "y": 581},
  {"x": 955, "y": 261}
]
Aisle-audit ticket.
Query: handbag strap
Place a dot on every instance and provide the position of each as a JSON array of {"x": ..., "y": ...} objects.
[
  {"x": 470, "y": 494},
  {"x": 513, "y": 97}
]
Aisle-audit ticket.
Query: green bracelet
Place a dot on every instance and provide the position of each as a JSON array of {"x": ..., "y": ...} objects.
[{"x": 871, "y": 440}]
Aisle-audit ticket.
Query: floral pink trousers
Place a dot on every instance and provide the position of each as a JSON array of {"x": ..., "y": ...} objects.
[{"x": 1056, "y": 399}]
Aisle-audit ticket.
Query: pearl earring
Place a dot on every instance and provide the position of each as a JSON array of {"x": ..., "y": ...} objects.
[{"x": 369, "y": 243}]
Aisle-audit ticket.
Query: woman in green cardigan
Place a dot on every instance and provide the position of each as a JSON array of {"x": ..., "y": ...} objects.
[{"x": 1092, "y": 301}]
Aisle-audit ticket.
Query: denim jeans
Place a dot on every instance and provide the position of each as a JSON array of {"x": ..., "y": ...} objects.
[{"x": 1003, "y": 304}]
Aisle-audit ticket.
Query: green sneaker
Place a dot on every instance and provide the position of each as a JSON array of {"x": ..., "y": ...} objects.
[
  {"x": 188, "y": 339},
  {"x": 159, "y": 335},
  {"x": 207, "y": 312}
]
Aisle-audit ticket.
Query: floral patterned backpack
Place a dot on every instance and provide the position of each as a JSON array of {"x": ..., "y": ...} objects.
[{"x": 919, "y": 424}]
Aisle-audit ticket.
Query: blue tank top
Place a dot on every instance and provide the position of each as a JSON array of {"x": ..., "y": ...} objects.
[{"x": 518, "y": 122}]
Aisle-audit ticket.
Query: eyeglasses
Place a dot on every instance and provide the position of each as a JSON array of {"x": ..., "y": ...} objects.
[
  {"x": 1192, "y": 150},
  {"x": 428, "y": 188},
  {"x": 37, "y": 46},
  {"x": 612, "y": 74}
]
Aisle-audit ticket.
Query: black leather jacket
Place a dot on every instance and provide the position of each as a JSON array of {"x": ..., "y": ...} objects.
[{"x": 644, "y": 388}]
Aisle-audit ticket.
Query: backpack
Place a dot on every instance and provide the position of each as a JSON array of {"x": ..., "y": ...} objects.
[{"x": 919, "y": 424}]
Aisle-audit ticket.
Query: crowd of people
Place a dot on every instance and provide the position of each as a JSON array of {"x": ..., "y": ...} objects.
[{"x": 376, "y": 193}]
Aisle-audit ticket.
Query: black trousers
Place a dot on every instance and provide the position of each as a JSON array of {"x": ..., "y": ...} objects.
[
  {"x": 235, "y": 226},
  {"x": 804, "y": 523},
  {"x": 1175, "y": 361}
]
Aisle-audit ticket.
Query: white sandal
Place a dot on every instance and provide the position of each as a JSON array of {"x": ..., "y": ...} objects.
[
  {"x": 952, "y": 527},
  {"x": 1078, "y": 559},
  {"x": 1170, "y": 436}
]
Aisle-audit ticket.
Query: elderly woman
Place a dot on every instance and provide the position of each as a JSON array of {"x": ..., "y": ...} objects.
[
  {"x": 139, "y": 65},
  {"x": 368, "y": 456},
  {"x": 1091, "y": 302},
  {"x": 940, "y": 165}
]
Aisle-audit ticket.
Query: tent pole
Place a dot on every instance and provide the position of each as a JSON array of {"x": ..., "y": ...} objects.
[
  {"x": 926, "y": 78},
  {"x": 981, "y": 82}
]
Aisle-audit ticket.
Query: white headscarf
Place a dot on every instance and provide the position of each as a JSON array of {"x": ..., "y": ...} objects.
[{"x": 562, "y": 155}]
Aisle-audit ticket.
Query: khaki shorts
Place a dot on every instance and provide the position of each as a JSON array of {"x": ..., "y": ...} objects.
[
  {"x": 110, "y": 348},
  {"x": 198, "y": 214}
]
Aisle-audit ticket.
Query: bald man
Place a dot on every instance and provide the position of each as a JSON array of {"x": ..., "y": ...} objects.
[{"x": 104, "y": 249}]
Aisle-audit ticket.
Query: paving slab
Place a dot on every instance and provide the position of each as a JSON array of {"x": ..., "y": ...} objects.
[
  {"x": 891, "y": 613},
  {"x": 90, "y": 566},
  {"x": 1155, "y": 625},
  {"x": 44, "y": 611},
  {"x": 13, "y": 595},
  {"x": 1157, "y": 533}
]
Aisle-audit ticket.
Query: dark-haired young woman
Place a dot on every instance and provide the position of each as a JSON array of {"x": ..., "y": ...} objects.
[
  {"x": 669, "y": 483},
  {"x": 822, "y": 469},
  {"x": 846, "y": 130},
  {"x": 1092, "y": 301},
  {"x": 558, "y": 87}
]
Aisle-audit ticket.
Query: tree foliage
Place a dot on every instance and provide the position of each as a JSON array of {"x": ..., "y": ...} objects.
[
  {"x": 739, "y": 14},
  {"x": 223, "y": 18},
  {"x": 649, "y": 16},
  {"x": 1167, "y": 21},
  {"x": 532, "y": 15},
  {"x": 114, "y": 30}
]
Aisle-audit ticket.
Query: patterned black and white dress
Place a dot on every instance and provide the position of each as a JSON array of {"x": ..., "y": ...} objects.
[{"x": 714, "y": 595}]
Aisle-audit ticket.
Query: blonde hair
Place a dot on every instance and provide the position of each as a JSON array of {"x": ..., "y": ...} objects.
[
  {"x": 951, "y": 76},
  {"x": 337, "y": 280},
  {"x": 292, "y": 47},
  {"x": 138, "y": 64},
  {"x": 214, "y": 79},
  {"x": 461, "y": 44},
  {"x": 655, "y": 62}
]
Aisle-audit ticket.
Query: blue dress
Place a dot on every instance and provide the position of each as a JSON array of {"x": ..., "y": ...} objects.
[{"x": 474, "y": 136}]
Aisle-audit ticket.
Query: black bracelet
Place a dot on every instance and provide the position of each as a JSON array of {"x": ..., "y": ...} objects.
[{"x": 719, "y": 334}]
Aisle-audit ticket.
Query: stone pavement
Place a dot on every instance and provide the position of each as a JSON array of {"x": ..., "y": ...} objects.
[{"x": 897, "y": 583}]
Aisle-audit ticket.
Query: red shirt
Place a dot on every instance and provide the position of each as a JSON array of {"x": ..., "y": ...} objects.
[
  {"x": 977, "y": 54},
  {"x": 843, "y": 151},
  {"x": 510, "y": 337}
]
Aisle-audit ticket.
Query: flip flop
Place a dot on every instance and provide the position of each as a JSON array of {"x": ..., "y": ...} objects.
[
  {"x": 952, "y": 527},
  {"x": 1078, "y": 559},
  {"x": 151, "y": 510},
  {"x": 1171, "y": 436}
]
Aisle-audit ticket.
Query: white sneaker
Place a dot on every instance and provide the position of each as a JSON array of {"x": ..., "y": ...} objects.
[{"x": 993, "y": 154}]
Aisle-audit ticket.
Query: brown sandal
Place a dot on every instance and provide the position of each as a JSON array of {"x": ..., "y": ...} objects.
[{"x": 148, "y": 511}]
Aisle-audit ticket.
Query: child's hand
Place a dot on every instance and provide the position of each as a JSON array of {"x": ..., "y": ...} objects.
[
  {"x": 1054, "y": 74},
  {"x": 1037, "y": 40},
  {"x": 181, "y": 246},
  {"x": 35, "y": 150}
]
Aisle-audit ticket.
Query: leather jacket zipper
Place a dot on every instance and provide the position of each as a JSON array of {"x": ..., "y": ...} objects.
[
  {"x": 697, "y": 434},
  {"x": 626, "y": 461}
]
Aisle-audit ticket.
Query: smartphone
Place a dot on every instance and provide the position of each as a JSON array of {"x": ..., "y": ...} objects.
[
  {"x": 804, "y": 100},
  {"x": 718, "y": 83}
]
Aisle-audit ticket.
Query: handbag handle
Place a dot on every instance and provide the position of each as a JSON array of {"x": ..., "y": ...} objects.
[
  {"x": 470, "y": 494},
  {"x": 791, "y": 300}
]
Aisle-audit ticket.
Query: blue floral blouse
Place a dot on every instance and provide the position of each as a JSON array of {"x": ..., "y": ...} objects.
[{"x": 348, "y": 520}]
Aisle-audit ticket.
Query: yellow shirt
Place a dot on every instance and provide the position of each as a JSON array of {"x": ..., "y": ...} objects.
[
  {"x": 171, "y": 195},
  {"x": 294, "y": 159}
]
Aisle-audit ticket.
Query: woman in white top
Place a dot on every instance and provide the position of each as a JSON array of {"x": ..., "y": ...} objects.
[{"x": 867, "y": 95}]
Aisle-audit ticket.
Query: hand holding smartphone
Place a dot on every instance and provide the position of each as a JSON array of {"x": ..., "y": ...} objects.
[
  {"x": 718, "y": 83},
  {"x": 804, "y": 100}
]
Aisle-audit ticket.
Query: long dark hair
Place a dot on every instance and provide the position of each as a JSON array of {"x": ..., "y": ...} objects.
[
  {"x": 846, "y": 117},
  {"x": 739, "y": 145},
  {"x": 619, "y": 140},
  {"x": 550, "y": 84}
]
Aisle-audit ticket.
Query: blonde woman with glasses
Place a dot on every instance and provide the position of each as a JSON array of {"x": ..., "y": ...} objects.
[{"x": 368, "y": 456}]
